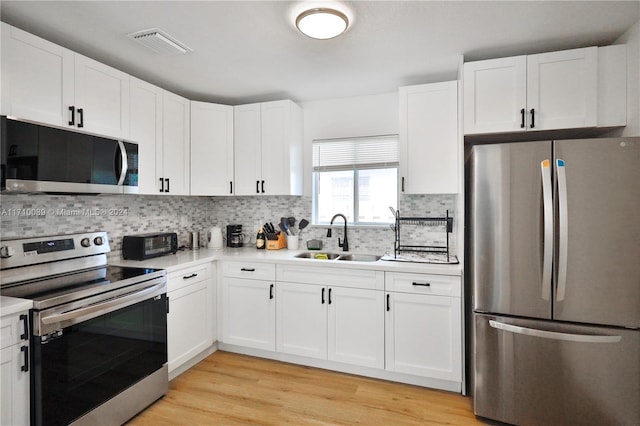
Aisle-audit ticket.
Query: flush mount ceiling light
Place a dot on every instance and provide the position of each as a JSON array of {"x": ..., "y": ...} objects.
[{"x": 322, "y": 23}]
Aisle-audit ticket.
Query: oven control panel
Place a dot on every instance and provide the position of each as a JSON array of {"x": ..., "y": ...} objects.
[{"x": 31, "y": 251}]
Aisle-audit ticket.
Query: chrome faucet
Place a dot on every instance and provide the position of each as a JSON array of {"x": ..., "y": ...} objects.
[{"x": 344, "y": 244}]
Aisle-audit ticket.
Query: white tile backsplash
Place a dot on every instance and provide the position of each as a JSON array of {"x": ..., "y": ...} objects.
[{"x": 121, "y": 215}]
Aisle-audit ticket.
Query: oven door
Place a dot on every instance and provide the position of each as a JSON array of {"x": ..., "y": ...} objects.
[{"x": 85, "y": 364}]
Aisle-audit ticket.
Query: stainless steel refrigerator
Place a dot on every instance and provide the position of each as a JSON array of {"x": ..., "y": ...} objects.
[{"x": 554, "y": 263}]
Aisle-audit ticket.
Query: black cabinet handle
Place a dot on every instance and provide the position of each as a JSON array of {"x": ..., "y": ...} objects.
[
  {"x": 161, "y": 185},
  {"x": 271, "y": 291},
  {"x": 402, "y": 184},
  {"x": 263, "y": 187},
  {"x": 167, "y": 304},
  {"x": 422, "y": 284},
  {"x": 522, "y": 118},
  {"x": 25, "y": 320},
  {"x": 25, "y": 351},
  {"x": 189, "y": 276},
  {"x": 72, "y": 110},
  {"x": 81, "y": 120},
  {"x": 323, "y": 295},
  {"x": 533, "y": 118},
  {"x": 329, "y": 296},
  {"x": 167, "y": 179},
  {"x": 230, "y": 187},
  {"x": 248, "y": 269},
  {"x": 257, "y": 187},
  {"x": 388, "y": 303}
]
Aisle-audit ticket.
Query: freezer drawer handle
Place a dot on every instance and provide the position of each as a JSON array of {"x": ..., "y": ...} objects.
[{"x": 567, "y": 337}]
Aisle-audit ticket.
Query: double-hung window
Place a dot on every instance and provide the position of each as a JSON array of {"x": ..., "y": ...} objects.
[{"x": 357, "y": 177}]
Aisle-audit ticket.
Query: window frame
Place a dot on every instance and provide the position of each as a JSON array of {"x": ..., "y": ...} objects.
[{"x": 356, "y": 169}]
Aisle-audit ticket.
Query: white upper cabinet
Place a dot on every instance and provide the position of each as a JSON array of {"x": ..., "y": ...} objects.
[
  {"x": 146, "y": 131},
  {"x": 547, "y": 91},
  {"x": 268, "y": 148},
  {"x": 211, "y": 149},
  {"x": 101, "y": 98},
  {"x": 37, "y": 78},
  {"x": 46, "y": 83},
  {"x": 429, "y": 145},
  {"x": 173, "y": 165}
]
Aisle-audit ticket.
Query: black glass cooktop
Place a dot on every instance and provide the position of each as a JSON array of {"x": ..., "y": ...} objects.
[{"x": 81, "y": 283}]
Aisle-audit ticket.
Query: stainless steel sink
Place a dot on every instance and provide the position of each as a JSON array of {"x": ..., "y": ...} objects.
[
  {"x": 317, "y": 256},
  {"x": 359, "y": 257}
]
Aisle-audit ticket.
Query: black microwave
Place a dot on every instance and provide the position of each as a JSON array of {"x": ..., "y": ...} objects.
[
  {"x": 39, "y": 158},
  {"x": 146, "y": 246}
]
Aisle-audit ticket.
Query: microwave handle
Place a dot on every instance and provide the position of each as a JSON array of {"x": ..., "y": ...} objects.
[{"x": 123, "y": 163}]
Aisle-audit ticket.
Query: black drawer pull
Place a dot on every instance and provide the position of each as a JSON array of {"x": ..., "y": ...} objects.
[
  {"x": 25, "y": 319},
  {"x": 248, "y": 269},
  {"x": 189, "y": 276},
  {"x": 422, "y": 284},
  {"x": 25, "y": 351}
]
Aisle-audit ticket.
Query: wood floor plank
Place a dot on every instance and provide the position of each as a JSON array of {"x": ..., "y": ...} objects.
[{"x": 232, "y": 389}]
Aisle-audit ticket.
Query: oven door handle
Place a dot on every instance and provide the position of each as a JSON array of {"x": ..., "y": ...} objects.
[{"x": 84, "y": 313}]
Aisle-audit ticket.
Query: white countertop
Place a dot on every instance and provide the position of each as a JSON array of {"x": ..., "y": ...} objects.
[
  {"x": 283, "y": 256},
  {"x": 12, "y": 305}
]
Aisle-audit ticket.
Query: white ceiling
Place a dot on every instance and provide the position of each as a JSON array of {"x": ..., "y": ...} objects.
[{"x": 249, "y": 51}]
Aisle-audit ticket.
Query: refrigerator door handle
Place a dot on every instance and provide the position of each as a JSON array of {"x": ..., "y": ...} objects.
[
  {"x": 567, "y": 337},
  {"x": 562, "y": 229},
  {"x": 547, "y": 204}
]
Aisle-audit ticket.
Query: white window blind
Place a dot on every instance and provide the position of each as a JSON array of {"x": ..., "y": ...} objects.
[{"x": 371, "y": 152}]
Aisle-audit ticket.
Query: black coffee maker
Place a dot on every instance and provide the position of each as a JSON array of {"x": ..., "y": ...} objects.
[{"x": 234, "y": 236}]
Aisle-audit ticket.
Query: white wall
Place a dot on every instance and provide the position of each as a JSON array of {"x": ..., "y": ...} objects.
[
  {"x": 632, "y": 39},
  {"x": 347, "y": 117}
]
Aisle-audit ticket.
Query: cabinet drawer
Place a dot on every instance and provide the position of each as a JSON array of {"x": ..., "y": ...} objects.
[
  {"x": 249, "y": 270},
  {"x": 441, "y": 285},
  {"x": 327, "y": 275},
  {"x": 188, "y": 276},
  {"x": 12, "y": 329}
]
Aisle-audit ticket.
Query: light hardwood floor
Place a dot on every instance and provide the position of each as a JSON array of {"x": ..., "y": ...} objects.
[{"x": 231, "y": 389}]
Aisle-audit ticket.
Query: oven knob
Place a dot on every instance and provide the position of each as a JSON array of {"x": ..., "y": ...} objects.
[
  {"x": 6, "y": 251},
  {"x": 85, "y": 242},
  {"x": 98, "y": 241}
]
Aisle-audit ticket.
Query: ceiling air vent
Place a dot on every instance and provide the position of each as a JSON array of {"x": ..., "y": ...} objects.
[{"x": 159, "y": 41}]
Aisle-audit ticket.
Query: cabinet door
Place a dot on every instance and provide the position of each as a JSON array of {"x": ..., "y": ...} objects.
[
  {"x": 495, "y": 95},
  {"x": 146, "y": 131},
  {"x": 247, "y": 155},
  {"x": 175, "y": 144},
  {"x": 211, "y": 149},
  {"x": 562, "y": 89},
  {"x": 187, "y": 330},
  {"x": 249, "y": 313},
  {"x": 101, "y": 98},
  {"x": 14, "y": 386},
  {"x": 356, "y": 326},
  {"x": 301, "y": 319},
  {"x": 429, "y": 139},
  {"x": 424, "y": 335},
  {"x": 37, "y": 78},
  {"x": 281, "y": 130}
]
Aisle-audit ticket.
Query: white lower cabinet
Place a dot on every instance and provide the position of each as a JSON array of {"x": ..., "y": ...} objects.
[
  {"x": 14, "y": 372},
  {"x": 190, "y": 319},
  {"x": 249, "y": 305},
  {"x": 330, "y": 322},
  {"x": 423, "y": 329}
]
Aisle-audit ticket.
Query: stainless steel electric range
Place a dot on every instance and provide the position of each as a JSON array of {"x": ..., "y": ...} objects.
[{"x": 98, "y": 333}]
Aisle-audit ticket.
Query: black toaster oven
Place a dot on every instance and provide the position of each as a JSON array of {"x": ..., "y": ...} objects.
[{"x": 146, "y": 246}]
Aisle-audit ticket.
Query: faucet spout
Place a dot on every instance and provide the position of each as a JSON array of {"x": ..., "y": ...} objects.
[{"x": 344, "y": 244}]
